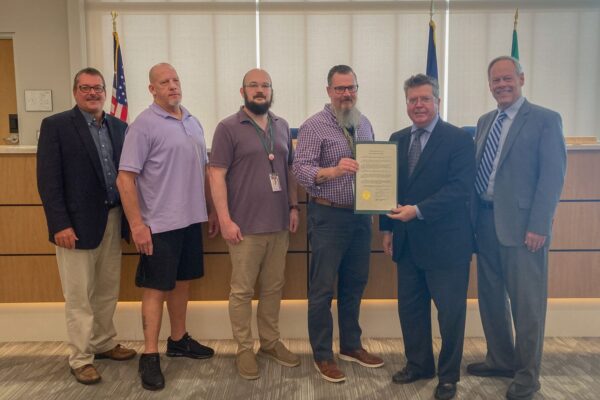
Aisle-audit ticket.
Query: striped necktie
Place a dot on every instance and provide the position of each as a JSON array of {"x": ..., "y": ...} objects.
[
  {"x": 489, "y": 155},
  {"x": 414, "y": 152}
]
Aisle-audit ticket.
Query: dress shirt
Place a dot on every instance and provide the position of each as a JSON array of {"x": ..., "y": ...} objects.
[
  {"x": 321, "y": 144},
  {"x": 511, "y": 113},
  {"x": 101, "y": 138}
]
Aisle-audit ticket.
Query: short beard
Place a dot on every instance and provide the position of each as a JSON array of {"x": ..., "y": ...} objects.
[
  {"x": 348, "y": 119},
  {"x": 255, "y": 108}
]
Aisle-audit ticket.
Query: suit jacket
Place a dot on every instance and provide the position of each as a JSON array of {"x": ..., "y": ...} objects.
[
  {"x": 70, "y": 178},
  {"x": 530, "y": 172},
  {"x": 440, "y": 186}
]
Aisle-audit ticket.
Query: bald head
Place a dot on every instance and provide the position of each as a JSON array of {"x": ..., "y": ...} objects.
[
  {"x": 156, "y": 69},
  {"x": 256, "y": 75},
  {"x": 165, "y": 86}
]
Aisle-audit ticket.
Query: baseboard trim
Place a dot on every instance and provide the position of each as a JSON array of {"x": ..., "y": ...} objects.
[{"x": 210, "y": 320}]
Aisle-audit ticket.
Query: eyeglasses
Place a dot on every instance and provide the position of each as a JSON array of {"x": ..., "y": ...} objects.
[
  {"x": 254, "y": 85},
  {"x": 423, "y": 99},
  {"x": 86, "y": 89},
  {"x": 342, "y": 89}
]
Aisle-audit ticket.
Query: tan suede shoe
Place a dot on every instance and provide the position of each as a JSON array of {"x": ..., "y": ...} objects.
[
  {"x": 117, "y": 353},
  {"x": 86, "y": 374},
  {"x": 247, "y": 365},
  {"x": 280, "y": 354}
]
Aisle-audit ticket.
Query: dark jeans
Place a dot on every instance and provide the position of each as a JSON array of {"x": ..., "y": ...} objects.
[{"x": 341, "y": 245}]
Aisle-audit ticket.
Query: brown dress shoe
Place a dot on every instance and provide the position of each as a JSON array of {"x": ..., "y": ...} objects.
[
  {"x": 117, "y": 353},
  {"x": 86, "y": 374},
  {"x": 329, "y": 371},
  {"x": 362, "y": 357}
]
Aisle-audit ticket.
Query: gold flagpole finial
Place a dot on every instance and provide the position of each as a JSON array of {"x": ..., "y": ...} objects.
[
  {"x": 114, "y": 19},
  {"x": 431, "y": 11},
  {"x": 516, "y": 18}
]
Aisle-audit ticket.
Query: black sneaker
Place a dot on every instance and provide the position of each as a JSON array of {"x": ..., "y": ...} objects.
[
  {"x": 149, "y": 370},
  {"x": 188, "y": 347}
]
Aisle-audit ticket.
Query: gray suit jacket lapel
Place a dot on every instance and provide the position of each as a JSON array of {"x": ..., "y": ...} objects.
[
  {"x": 514, "y": 131},
  {"x": 482, "y": 136}
]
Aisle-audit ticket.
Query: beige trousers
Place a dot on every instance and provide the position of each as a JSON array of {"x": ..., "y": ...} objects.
[
  {"x": 90, "y": 282},
  {"x": 258, "y": 259}
]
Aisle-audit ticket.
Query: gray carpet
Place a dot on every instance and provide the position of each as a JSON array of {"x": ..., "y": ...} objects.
[{"x": 31, "y": 371}]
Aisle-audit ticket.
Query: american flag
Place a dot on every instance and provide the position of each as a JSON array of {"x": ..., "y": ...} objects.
[{"x": 119, "y": 94}]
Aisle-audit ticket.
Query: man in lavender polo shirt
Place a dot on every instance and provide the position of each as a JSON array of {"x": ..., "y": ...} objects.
[
  {"x": 340, "y": 240},
  {"x": 255, "y": 197},
  {"x": 161, "y": 181}
]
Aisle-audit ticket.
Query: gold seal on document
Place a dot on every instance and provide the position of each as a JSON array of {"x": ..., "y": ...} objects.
[{"x": 366, "y": 195}]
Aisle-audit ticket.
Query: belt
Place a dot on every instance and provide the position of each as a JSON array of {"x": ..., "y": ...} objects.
[
  {"x": 487, "y": 205},
  {"x": 325, "y": 202}
]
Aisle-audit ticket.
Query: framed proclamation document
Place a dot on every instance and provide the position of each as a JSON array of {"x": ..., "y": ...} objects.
[{"x": 376, "y": 185}]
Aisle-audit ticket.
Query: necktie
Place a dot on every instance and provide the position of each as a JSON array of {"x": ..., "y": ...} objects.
[
  {"x": 489, "y": 155},
  {"x": 414, "y": 152}
]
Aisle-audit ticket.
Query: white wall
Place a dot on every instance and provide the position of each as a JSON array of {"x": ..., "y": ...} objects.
[{"x": 41, "y": 48}]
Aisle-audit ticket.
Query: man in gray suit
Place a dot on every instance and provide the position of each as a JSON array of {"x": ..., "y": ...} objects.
[{"x": 521, "y": 160}]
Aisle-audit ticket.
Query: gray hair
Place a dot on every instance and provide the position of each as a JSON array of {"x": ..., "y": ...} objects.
[
  {"x": 513, "y": 60},
  {"x": 420, "y": 80}
]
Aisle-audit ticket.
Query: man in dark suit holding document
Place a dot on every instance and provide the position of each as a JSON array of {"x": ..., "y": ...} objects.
[{"x": 429, "y": 235}]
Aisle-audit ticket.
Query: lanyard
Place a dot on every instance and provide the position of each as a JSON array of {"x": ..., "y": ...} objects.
[
  {"x": 268, "y": 144},
  {"x": 350, "y": 141}
]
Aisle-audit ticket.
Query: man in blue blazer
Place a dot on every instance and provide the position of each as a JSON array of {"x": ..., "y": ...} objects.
[
  {"x": 521, "y": 160},
  {"x": 429, "y": 235},
  {"x": 77, "y": 159}
]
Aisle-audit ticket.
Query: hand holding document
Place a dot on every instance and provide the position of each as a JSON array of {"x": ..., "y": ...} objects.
[{"x": 376, "y": 184}]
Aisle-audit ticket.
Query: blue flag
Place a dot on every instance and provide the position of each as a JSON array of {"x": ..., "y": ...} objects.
[{"x": 432, "y": 69}]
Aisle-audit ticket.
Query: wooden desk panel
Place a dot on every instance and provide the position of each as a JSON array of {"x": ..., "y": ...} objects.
[
  {"x": 577, "y": 226},
  {"x": 29, "y": 279},
  {"x": 383, "y": 281},
  {"x": 23, "y": 230},
  {"x": 581, "y": 181},
  {"x": 18, "y": 184}
]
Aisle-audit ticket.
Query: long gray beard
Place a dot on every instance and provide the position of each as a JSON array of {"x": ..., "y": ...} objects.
[{"x": 348, "y": 119}]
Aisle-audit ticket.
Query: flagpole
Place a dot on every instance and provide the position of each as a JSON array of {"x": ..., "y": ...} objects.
[
  {"x": 514, "y": 51},
  {"x": 431, "y": 11},
  {"x": 114, "y": 15}
]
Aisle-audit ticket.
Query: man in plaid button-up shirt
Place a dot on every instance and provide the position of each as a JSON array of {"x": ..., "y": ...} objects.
[{"x": 340, "y": 240}]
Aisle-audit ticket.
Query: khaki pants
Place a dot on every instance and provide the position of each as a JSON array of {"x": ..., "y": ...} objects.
[
  {"x": 90, "y": 283},
  {"x": 258, "y": 258}
]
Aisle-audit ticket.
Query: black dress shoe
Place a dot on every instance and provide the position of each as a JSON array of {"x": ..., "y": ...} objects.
[
  {"x": 520, "y": 392},
  {"x": 445, "y": 391},
  {"x": 407, "y": 376},
  {"x": 149, "y": 370},
  {"x": 481, "y": 369}
]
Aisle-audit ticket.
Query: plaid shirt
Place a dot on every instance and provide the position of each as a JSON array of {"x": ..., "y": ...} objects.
[{"x": 321, "y": 144}]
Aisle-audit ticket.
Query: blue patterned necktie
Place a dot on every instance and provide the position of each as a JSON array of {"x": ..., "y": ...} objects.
[
  {"x": 489, "y": 155},
  {"x": 414, "y": 152}
]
